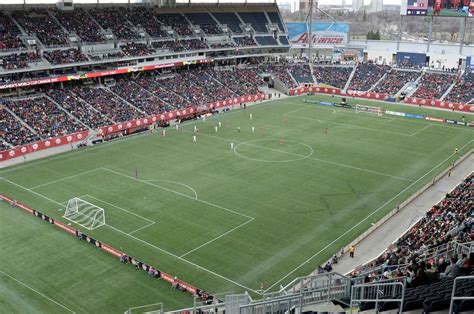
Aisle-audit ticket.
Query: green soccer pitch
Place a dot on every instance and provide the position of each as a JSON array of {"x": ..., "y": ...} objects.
[{"x": 223, "y": 220}]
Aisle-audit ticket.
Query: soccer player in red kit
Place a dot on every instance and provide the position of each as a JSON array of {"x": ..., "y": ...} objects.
[{"x": 437, "y": 7}]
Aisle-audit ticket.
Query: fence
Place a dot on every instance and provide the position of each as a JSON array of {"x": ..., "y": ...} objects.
[
  {"x": 380, "y": 292},
  {"x": 462, "y": 295}
]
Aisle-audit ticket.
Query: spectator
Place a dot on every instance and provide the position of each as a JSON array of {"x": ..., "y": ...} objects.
[{"x": 452, "y": 271}]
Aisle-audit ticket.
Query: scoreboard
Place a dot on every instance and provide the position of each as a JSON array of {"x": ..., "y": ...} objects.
[
  {"x": 417, "y": 7},
  {"x": 446, "y": 8}
]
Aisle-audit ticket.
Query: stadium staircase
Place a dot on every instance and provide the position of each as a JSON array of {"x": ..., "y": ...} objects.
[
  {"x": 26, "y": 125},
  {"x": 415, "y": 85},
  {"x": 448, "y": 90},
  {"x": 378, "y": 82},
  {"x": 348, "y": 83},
  {"x": 67, "y": 112}
]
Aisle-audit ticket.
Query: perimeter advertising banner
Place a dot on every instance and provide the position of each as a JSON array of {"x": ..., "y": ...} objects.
[{"x": 324, "y": 33}]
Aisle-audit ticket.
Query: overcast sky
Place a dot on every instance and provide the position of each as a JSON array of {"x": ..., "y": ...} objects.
[{"x": 281, "y": 1}]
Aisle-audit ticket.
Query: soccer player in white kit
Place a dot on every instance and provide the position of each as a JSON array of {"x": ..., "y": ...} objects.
[
  {"x": 253, "y": 129},
  {"x": 215, "y": 128},
  {"x": 194, "y": 139},
  {"x": 251, "y": 116}
]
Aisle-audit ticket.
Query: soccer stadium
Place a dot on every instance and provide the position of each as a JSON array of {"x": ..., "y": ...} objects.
[{"x": 238, "y": 157}]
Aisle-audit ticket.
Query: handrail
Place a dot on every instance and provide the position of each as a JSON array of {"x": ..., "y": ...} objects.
[
  {"x": 455, "y": 298},
  {"x": 373, "y": 292}
]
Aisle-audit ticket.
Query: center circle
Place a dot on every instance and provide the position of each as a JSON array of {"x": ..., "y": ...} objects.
[{"x": 294, "y": 150}]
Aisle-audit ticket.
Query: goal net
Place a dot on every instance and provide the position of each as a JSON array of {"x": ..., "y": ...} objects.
[
  {"x": 369, "y": 109},
  {"x": 84, "y": 214}
]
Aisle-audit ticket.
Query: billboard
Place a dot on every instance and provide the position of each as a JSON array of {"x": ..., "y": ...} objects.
[
  {"x": 324, "y": 33},
  {"x": 446, "y": 8}
]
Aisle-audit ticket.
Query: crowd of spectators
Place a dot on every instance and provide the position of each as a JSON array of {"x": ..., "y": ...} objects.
[
  {"x": 80, "y": 22},
  {"x": 241, "y": 81},
  {"x": 9, "y": 34},
  {"x": 395, "y": 80},
  {"x": 136, "y": 49},
  {"x": 210, "y": 29},
  {"x": 193, "y": 44},
  {"x": 177, "y": 22},
  {"x": 126, "y": 88},
  {"x": 463, "y": 91},
  {"x": 280, "y": 71},
  {"x": 222, "y": 45},
  {"x": 114, "y": 20},
  {"x": 39, "y": 22},
  {"x": 145, "y": 18},
  {"x": 301, "y": 73},
  {"x": 12, "y": 131},
  {"x": 81, "y": 110},
  {"x": 155, "y": 85},
  {"x": 47, "y": 119},
  {"x": 332, "y": 76},
  {"x": 245, "y": 41},
  {"x": 108, "y": 104},
  {"x": 433, "y": 85},
  {"x": 171, "y": 45},
  {"x": 64, "y": 56},
  {"x": 366, "y": 75},
  {"x": 407, "y": 64},
  {"x": 18, "y": 60},
  {"x": 450, "y": 219}
]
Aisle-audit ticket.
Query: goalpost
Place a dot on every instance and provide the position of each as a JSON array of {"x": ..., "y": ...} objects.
[
  {"x": 369, "y": 109},
  {"x": 84, "y": 213}
]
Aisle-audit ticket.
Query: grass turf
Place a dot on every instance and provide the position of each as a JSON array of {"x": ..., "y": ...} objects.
[{"x": 220, "y": 219}]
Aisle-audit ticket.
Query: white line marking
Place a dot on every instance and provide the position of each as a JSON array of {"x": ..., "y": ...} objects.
[
  {"x": 179, "y": 183},
  {"x": 120, "y": 208},
  {"x": 143, "y": 241},
  {"x": 308, "y": 157},
  {"x": 420, "y": 130},
  {"x": 218, "y": 237},
  {"x": 179, "y": 193},
  {"x": 296, "y": 110},
  {"x": 36, "y": 291},
  {"x": 360, "y": 222},
  {"x": 146, "y": 226},
  {"x": 65, "y": 202},
  {"x": 66, "y": 178},
  {"x": 181, "y": 259}
]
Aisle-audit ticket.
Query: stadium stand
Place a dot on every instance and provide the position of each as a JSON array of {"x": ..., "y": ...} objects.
[
  {"x": 463, "y": 91},
  {"x": 114, "y": 19},
  {"x": 241, "y": 81},
  {"x": 9, "y": 33},
  {"x": 136, "y": 49},
  {"x": 433, "y": 85},
  {"x": 18, "y": 60},
  {"x": 332, "y": 76},
  {"x": 283, "y": 40},
  {"x": 275, "y": 18},
  {"x": 64, "y": 56},
  {"x": 13, "y": 132},
  {"x": 244, "y": 41},
  {"x": 395, "y": 80},
  {"x": 193, "y": 44},
  {"x": 47, "y": 119},
  {"x": 366, "y": 75},
  {"x": 266, "y": 40},
  {"x": 177, "y": 22},
  {"x": 146, "y": 19},
  {"x": 258, "y": 20},
  {"x": 167, "y": 45},
  {"x": 40, "y": 23},
  {"x": 280, "y": 71},
  {"x": 230, "y": 19},
  {"x": 109, "y": 105},
  {"x": 301, "y": 73},
  {"x": 205, "y": 22},
  {"x": 80, "y": 22}
]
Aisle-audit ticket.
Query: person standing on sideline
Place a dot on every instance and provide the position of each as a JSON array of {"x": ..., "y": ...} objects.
[
  {"x": 351, "y": 251},
  {"x": 194, "y": 138}
]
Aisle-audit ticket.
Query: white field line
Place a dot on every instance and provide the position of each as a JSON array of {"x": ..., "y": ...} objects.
[
  {"x": 420, "y": 130},
  {"x": 398, "y": 119},
  {"x": 181, "y": 259},
  {"x": 63, "y": 179},
  {"x": 360, "y": 222},
  {"x": 179, "y": 193},
  {"x": 140, "y": 240},
  {"x": 218, "y": 237},
  {"x": 307, "y": 157},
  {"x": 350, "y": 125},
  {"x": 179, "y": 183},
  {"x": 146, "y": 226},
  {"x": 120, "y": 208},
  {"x": 37, "y": 292},
  {"x": 296, "y": 110}
]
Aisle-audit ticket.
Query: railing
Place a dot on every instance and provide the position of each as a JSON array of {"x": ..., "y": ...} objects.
[
  {"x": 460, "y": 297},
  {"x": 276, "y": 305},
  {"x": 380, "y": 292}
]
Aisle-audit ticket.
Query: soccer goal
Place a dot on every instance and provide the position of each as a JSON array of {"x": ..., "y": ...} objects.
[
  {"x": 84, "y": 213},
  {"x": 369, "y": 109}
]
